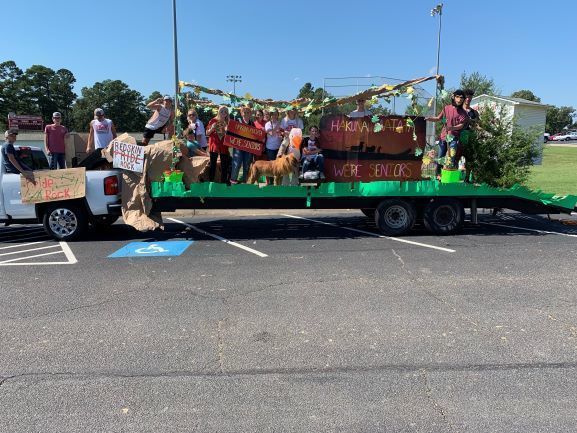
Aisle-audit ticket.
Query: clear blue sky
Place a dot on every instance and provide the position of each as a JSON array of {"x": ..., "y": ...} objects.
[{"x": 278, "y": 46}]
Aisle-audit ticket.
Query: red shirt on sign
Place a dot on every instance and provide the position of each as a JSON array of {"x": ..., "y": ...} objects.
[{"x": 55, "y": 138}]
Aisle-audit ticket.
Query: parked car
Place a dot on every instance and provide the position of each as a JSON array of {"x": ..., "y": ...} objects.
[
  {"x": 566, "y": 136},
  {"x": 546, "y": 137}
]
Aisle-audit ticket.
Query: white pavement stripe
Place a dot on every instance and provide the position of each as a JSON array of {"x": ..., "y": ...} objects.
[
  {"x": 405, "y": 241},
  {"x": 530, "y": 230},
  {"x": 220, "y": 238},
  {"x": 69, "y": 254},
  {"x": 31, "y": 257},
  {"x": 22, "y": 245},
  {"x": 31, "y": 249}
]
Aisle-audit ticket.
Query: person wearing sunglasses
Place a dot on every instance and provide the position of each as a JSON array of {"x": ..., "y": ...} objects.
[{"x": 102, "y": 131}]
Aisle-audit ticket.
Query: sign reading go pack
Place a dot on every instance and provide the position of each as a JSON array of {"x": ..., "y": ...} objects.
[
  {"x": 128, "y": 156},
  {"x": 52, "y": 185}
]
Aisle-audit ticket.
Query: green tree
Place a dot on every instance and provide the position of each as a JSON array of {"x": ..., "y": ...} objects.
[
  {"x": 125, "y": 107},
  {"x": 38, "y": 80},
  {"x": 478, "y": 83},
  {"x": 10, "y": 91},
  {"x": 559, "y": 118},
  {"x": 500, "y": 153},
  {"x": 525, "y": 94}
]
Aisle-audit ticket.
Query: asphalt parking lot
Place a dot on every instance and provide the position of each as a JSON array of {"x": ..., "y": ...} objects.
[{"x": 291, "y": 321}]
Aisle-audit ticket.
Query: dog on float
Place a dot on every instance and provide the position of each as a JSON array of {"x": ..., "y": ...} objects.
[{"x": 282, "y": 166}]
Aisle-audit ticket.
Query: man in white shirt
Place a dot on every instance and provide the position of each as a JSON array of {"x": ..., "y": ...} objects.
[
  {"x": 361, "y": 110},
  {"x": 102, "y": 131}
]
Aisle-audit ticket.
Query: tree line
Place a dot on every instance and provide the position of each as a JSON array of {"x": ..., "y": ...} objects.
[{"x": 40, "y": 90}]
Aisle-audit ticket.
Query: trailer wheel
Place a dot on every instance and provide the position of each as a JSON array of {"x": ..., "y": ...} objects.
[
  {"x": 65, "y": 222},
  {"x": 395, "y": 217},
  {"x": 444, "y": 216},
  {"x": 369, "y": 212}
]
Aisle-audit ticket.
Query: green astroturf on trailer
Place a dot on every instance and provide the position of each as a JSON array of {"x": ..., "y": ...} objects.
[{"x": 425, "y": 188}]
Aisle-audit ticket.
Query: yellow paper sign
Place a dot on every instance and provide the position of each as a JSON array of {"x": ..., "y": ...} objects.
[{"x": 53, "y": 185}]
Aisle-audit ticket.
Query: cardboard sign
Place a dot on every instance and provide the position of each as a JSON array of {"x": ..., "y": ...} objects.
[
  {"x": 53, "y": 185},
  {"x": 353, "y": 151},
  {"x": 128, "y": 156},
  {"x": 245, "y": 137}
]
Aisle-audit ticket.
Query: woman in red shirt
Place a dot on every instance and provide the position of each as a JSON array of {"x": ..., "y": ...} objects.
[{"x": 215, "y": 131}]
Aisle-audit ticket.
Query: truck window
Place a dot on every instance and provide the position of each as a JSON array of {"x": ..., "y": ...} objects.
[{"x": 33, "y": 158}]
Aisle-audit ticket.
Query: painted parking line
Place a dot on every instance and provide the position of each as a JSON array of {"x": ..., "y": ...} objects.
[
  {"x": 64, "y": 249},
  {"x": 545, "y": 232},
  {"x": 405, "y": 241},
  {"x": 220, "y": 238}
]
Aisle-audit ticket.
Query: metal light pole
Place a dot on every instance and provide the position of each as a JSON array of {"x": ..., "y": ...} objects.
[
  {"x": 437, "y": 10},
  {"x": 234, "y": 79},
  {"x": 175, "y": 62}
]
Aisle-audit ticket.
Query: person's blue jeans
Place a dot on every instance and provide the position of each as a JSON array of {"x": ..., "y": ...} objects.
[
  {"x": 57, "y": 160},
  {"x": 271, "y": 154},
  {"x": 240, "y": 157},
  {"x": 315, "y": 162}
]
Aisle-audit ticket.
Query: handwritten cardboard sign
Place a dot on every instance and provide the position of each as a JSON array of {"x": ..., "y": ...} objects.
[
  {"x": 354, "y": 150},
  {"x": 128, "y": 156},
  {"x": 245, "y": 137},
  {"x": 53, "y": 185}
]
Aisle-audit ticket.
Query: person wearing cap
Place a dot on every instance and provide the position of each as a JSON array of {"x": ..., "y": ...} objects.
[
  {"x": 54, "y": 136},
  {"x": 361, "y": 110},
  {"x": 455, "y": 119},
  {"x": 101, "y": 131},
  {"x": 11, "y": 164},
  {"x": 290, "y": 121},
  {"x": 161, "y": 119}
]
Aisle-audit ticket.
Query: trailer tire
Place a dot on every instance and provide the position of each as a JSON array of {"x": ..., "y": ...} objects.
[
  {"x": 444, "y": 216},
  {"x": 369, "y": 212},
  {"x": 65, "y": 222},
  {"x": 395, "y": 217}
]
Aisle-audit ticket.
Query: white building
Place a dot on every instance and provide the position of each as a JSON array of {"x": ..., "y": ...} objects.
[{"x": 526, "y": 114}]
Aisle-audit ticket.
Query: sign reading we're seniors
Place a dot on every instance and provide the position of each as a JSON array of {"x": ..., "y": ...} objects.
[
  {"x": 128, "y": 156},
  {"x": 372, "y": 148},
  {"x": 245, "y": 137},
  {"x": 53, "y": 185}
]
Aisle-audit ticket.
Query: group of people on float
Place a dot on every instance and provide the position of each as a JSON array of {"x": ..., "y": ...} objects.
[
  {"x": 210, "y": 142},
  {"x": 458, "y": 119}
]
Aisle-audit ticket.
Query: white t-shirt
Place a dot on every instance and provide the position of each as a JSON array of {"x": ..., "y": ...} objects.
[
  {"x": 102, "y": 133},
  {"x": 200, "y": 134},
  {"x": 356, "y": 114},
  {"x": 159, "y": 119},
  {"x": 288, "y": 124},
  {"x": 272, "y": 141}
]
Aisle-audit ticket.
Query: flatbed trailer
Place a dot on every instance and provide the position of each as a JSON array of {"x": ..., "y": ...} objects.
[{"x": 395, "y": 205}]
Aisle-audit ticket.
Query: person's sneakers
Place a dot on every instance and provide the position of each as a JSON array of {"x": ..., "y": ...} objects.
[
  {"x": 233, "y": 182},
  {"x": 322, "y": 176}
]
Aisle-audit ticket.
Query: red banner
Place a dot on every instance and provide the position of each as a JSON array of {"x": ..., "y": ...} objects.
[
  {"x": 358, "y": 149},
  {"x": 245, "y": 137}
]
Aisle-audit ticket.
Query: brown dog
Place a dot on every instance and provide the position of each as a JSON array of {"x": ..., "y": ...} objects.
[{"x": 282, "y": 166}]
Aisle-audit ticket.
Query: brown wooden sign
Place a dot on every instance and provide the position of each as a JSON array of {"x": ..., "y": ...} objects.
[
  {"x": 245, "y": 137},
  {"x": 53, "y": 185},
  {"x": 356, "y": 150}
]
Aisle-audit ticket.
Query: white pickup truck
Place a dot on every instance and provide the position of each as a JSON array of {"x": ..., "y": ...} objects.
[{"x": 64, "y": 220}]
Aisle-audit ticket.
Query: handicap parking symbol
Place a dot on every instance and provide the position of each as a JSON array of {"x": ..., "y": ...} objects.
[{"x": 152, "y": 249}]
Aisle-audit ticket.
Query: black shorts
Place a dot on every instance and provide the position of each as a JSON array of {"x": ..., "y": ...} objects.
[{"x": 149, "y": 133}]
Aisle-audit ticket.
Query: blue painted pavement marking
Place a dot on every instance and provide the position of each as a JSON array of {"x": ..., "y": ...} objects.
[{"x": 152, "y": 249}]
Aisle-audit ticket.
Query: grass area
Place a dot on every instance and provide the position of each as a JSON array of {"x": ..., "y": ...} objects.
[{"x": 558, "y": 173}]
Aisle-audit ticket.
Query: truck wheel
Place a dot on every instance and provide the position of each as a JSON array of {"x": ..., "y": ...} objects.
[
  {"x": 65, "y": 222},
  {"x": 369, "y": 212},
  {"x": 444, "y": 216},
  {"x": 395, "y": 217},
  {"x": 104, "y": 221}
]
